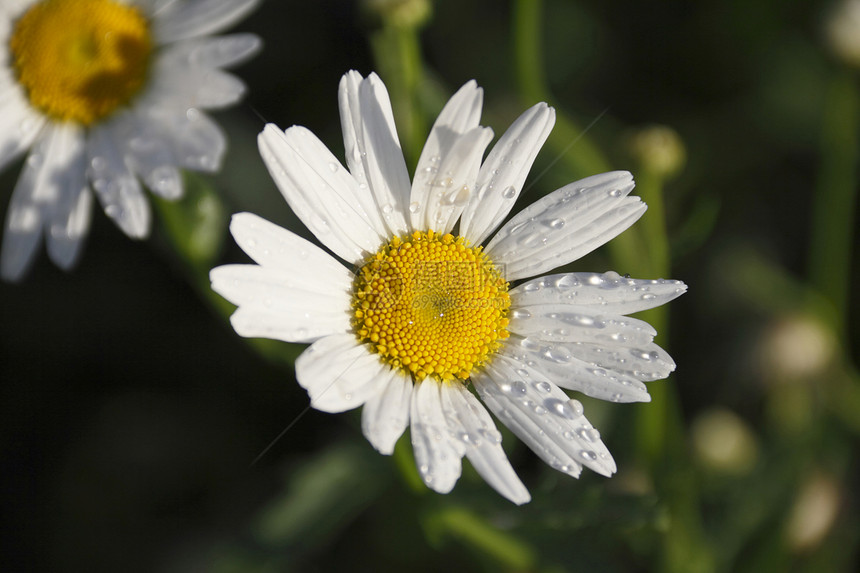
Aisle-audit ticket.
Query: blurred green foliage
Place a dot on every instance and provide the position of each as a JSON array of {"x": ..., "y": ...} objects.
[{"x": 133, "y": 416}]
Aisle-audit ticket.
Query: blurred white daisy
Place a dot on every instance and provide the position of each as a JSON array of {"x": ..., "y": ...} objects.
[
  {"x": 101, "y": 93},
  {"x": 426, "y": 309}
]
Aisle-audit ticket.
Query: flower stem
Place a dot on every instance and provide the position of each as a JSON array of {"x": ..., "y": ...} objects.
[
  {"x": 533, "y": 88},
  {"x": 832, "y": 233}
]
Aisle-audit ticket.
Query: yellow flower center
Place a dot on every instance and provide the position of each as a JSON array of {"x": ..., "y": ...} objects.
[
  {"x": 80, "y": 60},
  {"x": 431, "y": 305}
]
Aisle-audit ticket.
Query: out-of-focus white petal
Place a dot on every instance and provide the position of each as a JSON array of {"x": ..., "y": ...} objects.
[
  {"x": 116, "y": 187},
  {"x": 69, "y": 219},
  {"x": 319, "y": 191},
  {"x": 543, "y": 417},
  {"x": 19, "y": 125},
  {"x": 437, "y": 452},
  {"x": 460, "y": 115},
  {"x": 566, "y": 224},
  {"x": 386, "y": 415},
  {"x": 210, "y": 53},
  {"x": 373, "y": 151},
  {"x": 174, "y": 21},
  {"x": 504, "y": 172},
  {"x": 339, "y": 373},
  {"x": 273, "y": 305},
  {"x": 609, "y": 291},
  {"x": 557, "y": 361},
  {"x": 483, "y": 441}
]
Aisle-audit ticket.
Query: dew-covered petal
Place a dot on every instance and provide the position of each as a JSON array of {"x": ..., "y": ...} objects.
[
  {"x": 281, "y": 303},
  {"x": 386, "y": 415},
  {"x": 116, "y": 187},
  {"x": 275, "y": 247},
  {"x": 28, "y": 210},
  {"x": 209, "y": 53},
  {"x": 373, "y": 151},
  {"x": 504, "y": 172},
  {"x": 610, "y": 291},
  {"x": 543, "y": 417},
  {"x": 320, "y": 191},
  {"x": 460, "y": 115},
  {"x": 180, "y": 86},
  {"x": 559, "y": 363},
  {"x": 566, "y": 224},
  {"x": 483, "y": 441},
  {"x": 19, "y": 125},
  {"x": 339, "y": 373},
  {"x": 173, "y": 21},
  {"x": 61, "y": 193},
  {"x": 570, "y": 323},
  {"x": 437, "y": 452},
  {"x": 455, "y": 179},
  {"x": 148, "y": 152}
]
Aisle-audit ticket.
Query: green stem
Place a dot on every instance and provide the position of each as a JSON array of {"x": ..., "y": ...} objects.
[
  {"x": 832, "y": 234},
  {"x": 533, "y": 87},
  {"x": 397, "y": 52}
]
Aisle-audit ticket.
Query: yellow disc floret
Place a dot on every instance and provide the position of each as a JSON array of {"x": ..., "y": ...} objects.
[
  {"x": 431, "y": 305},
  {"x": 80, "y": 60}
]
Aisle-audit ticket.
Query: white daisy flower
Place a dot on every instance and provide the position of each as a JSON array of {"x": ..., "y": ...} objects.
[
  {"x": 103, "y": 92},
  {"x": 420, "y": 309}
]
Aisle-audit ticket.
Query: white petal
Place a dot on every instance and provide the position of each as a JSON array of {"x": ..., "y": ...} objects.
[
  {"x": 386, "y": 415},
  {"x": 175, "y": 85},
  {"x": 543, "y": 417},
  {"x": 373, "y": 151},
  {"x": 437, "y": 452},
  {"x": 558, "y": 362},
  {"x": 504, "y": 172},
  {"x": 566, "y": 224},
  {"x": 117, "y": 188},
  {"x": 613, "y": 293},
  {"x": 148, "y": 152},
  {"x": 19, "y": 126},
  {"x": 572, "y": 323},
  {"x": 647, "y": 362},
  {"x": 175, "y": 21},
  {"x": 454, "y": 180},
  {"x": 274, "y": 305},
  {"x": 339, "y": 373},
  {"x": 460, "y": 115},
  {"x": 198, "y": 141},
  {"x": 209, "y": 53},
  {"x": 319, "y": 191},
  {"x": 275, "y": 247},
  {"x": 70, "y": 216},
  {"x": 483, "y": 441}
]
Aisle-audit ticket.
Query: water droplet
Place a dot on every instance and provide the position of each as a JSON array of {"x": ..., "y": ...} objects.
[
  {"x": 588, "y": 455},
  {"x": 519, "y": 387},
  {"x": 575, "y": 406},
  {"x": 414, "y": 207},
  {"x": 521, "y": 314},
  {"x": 333, "y": 167},
  {"x": 648, "y": 296},
  {"x": 509, "y": 193},
  {"x": 554, "y": 223},
  {"x": 561, "y": 408},
  {"x": 387, "y": 209},
  {"x": 539, "y": 410},
  {"x": 543, "y": 387},
  {"x": 491, "y": 435}
]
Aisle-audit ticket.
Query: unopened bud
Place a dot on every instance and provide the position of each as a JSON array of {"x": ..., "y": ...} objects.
[{"x": 659, "y": 149}]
